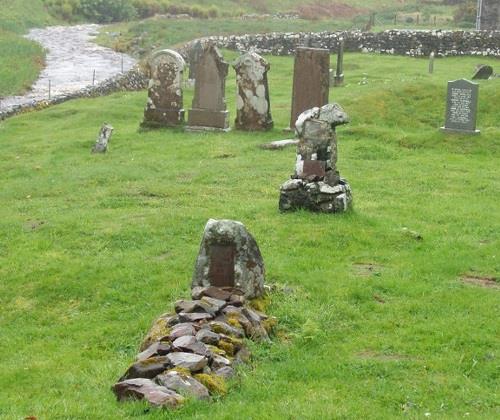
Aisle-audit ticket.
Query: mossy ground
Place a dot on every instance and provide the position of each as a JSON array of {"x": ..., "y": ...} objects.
[{"x": 94, "y": 248}]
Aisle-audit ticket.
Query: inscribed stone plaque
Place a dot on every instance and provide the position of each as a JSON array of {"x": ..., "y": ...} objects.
[
  {"x": 221, "y": 271},
  {"x": 311, "y": 80},
  {"x": 315, "y": 168},
  {"x": 461, "y": 107}
]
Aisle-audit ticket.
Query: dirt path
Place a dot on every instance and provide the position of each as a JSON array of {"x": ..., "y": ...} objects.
[{"x": 71, "y": 60}]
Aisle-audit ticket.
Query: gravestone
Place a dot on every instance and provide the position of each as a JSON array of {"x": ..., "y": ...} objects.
[
  {"x": 165, "y": 102},
  {"x": 194, "y": 56},
  {"x": 489, "y": 15},
  {"x": 310, "y": 80},
  {"x": 483, "y": 72},
  {"x": 461, "y": 107},
  {"x": 338, "y": 79},
  {"x": 316, "y": 184},
  {"x": 252, "y": 97},
  {"x": 101, "y": 144},
  {"x": 431, "y": 62},
  {"x": 209, "y": 111},
  {"x": 229, "y": 257}
]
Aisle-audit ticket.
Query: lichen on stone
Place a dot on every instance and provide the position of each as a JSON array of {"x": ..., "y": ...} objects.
[{"x": 215, "y": 384}]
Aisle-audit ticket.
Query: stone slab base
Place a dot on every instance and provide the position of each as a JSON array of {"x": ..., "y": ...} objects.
[
  {"x": 455, "y": 131},
  {"x": 207, "y": 118},
  {"x": 315, "y": 196},
  {"x": 156, "y": 118},
  {"x": 200, "y": 129}
]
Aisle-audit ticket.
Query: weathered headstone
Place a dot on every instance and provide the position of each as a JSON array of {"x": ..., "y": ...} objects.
[
  {"x": 483, "y": 72},
  {"x": 338, "y": 79},
  {"x": 209, "y": 111},
  {"x": 310, "y": 80},
  {"x": 252, "y": 97},
  {"x": 431, "y": 62},
  {"x": 461, "y": 107},
  {"x": 101, "y": 144},
  {"x": 194, "y": 56},
  {"x": 229, "y": 257},
  {"x": 316, "y": 184},
  {"x": 165, "y": 101}
]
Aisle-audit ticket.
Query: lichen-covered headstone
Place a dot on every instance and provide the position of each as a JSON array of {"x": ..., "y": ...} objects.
[
  {"x": 209, "y": 111},
  {"x": 165, "y": 101},
  {"x": 229, "y": 257},
  {"x": 316, "y": 184},
  {"x": 252, "y": 100},
  {"x": 101, "y": 144}
]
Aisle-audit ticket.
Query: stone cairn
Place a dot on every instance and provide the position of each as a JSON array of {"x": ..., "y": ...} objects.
[
  {"x": 252, "y": 100},
  {"x": 209, "y": 111},
  {"x": 192, "y": 352},
  {"x": 316, "y": 184},
  {"x": 165, "y": 101}
]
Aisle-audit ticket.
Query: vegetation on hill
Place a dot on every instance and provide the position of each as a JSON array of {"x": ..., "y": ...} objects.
[{"x": 374, "y": 322}]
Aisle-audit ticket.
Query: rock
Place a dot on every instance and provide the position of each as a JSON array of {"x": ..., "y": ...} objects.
[
  {"x": 483, "y": 72},
  {"x": 225, "y": 372},
  {"x": 138, "y": 389},
  {"x": 219, "y": 362},
  {"x": 182, "y": 329},
  {"x": 183, "y": 384},
  {"x": 279, "y": 144},
  {"x": 229, "y": 256},
  {"x": 224, "y": 328},
  {"x": 194, "y": 316},
  {"x": 101, "y": 145},
  {"x": 190, "y": 344},
  {"x": 208, "y": 337},
  {"x": 161, "y": 327},
  {"x": 185, "y": 306},
  {"x": 214, "y": 292},
  {"x": 147, "y": 368},
  {"x": 193, "y": 362},
  {"x": 211, "y": 305},
  {"x": 236, "y": 300},
  {"x": 243, "y": 356},
  {"x": 155, "y": 349}
]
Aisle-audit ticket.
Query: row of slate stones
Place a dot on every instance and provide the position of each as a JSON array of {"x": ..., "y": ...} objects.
[
  {"x": 133, "y": 80},
  {"x": 399, "y": 42},
  {"x": 191, "y": 353}
]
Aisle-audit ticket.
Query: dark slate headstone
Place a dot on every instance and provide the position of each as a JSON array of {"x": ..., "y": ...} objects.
[
  {"x": 461, "y": 107},
  {"x": 483, "y": 72},
  {"x": 310, "y": 80}
]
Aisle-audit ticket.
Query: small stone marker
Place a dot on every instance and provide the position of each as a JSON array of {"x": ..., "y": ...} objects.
[
  {"x": 209, "y": 111},
  {"x": 338, "y": 79},
  {"x": 165, "y": 101},
  {"x": 252, "y": 97},
  {"x": 310, "y": 80},
  {"x": 483, "y": 72},
  {"x": 229, "y": 257},
  {"x": 316, "y": 184},
  {"x": 431, "y": 62},
  {"x": 101, "y": 145},
  {"x": 461, "y": 107}
]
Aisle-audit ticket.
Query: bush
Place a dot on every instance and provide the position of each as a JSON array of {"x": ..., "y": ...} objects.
[{"x": 106, "y": 11}]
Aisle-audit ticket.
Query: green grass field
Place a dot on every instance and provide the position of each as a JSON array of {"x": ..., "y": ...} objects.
[{"x": 93, "y": 248}]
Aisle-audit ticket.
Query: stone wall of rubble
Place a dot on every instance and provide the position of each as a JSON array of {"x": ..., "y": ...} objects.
[
  {"x": 132, "y": 80},
  {"x": 397, "y": 42}
]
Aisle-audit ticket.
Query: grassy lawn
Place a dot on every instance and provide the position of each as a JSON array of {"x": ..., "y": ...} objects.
[{"x": 94, "y": 248}]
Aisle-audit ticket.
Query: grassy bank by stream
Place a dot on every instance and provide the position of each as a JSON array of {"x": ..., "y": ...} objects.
[{"x": 379, "y": 325}]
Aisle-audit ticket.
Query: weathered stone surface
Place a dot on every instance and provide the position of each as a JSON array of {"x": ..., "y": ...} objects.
[
  {"x": 432, "y": 57},
  {"x": 191, "y": 361},
  {"x": 198, "y": 292},
  {"x": 229, "y": 256},
  {"x": 489, "y": 16},
  {"x": 310, "y": 80},
  {"x": 182, "y": 329},
  {"x": 461, "y": 107},
  {"x": 194, "y": 316},
  {"x": 316, "y": 184},
  {"x": 190, "y": 344},
  {"x": 194, "y": 55},
  {"x": 101, "y": 145},
  {"x": 161, "y": 327},
  {"x": 252, "y": 100},
  {"x": 224, "y": 328},
  {"x": 165, "y": 101},
  {"x": 338, "y": 79},
  {"x": 138, "y": 389},
  {"x": 209, "y": 103},
  {"x": 219, "y": 362},
  {"x": 147, "y": 369},
  {"x": 156, "y": 349},
  {"x": 183, "y": 384},
  {"x": 207, "y": 337},
  {"x": 185, "y": 305},
  {"x": 279, "y": 144},
  {"x": 483, "y": 72},
  {"x": 212, "y": 305},
  {"x": 225, "y": 372}
]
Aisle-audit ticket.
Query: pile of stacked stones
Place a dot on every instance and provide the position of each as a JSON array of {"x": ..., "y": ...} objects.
[{"x": 190, "y": 353}]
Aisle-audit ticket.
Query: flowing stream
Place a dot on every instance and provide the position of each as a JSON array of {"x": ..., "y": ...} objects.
[{"x": 73, "y": 62}]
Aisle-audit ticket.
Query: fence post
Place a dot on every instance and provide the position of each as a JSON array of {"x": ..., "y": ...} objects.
[
  {"x": 93, "y": 78},
  {"x": 50, "y": 87}
]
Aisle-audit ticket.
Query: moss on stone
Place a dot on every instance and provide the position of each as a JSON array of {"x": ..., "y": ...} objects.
[
  {"x": 269, "y": 324},
  {"x": 227, "y": 347},
  {"x": 159, "y": 330},
  {"x": 215, "y": 384},
  {"x": 182, "y": 371},
  {"x": 261, "y": 303},
  {"x": 233, "y": 321},
  {"x": 216, "y": 350}
]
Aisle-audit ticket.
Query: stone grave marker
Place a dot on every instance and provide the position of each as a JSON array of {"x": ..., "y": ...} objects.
[
  {"x": 310, "y": 80},
  {"x": 338, "y": 79},
  {"x": 209, "y": 111},
  {"x": 252, "y": 97},
  {"x": 483, "y": 72},
  {"x": 461, "y": 107},
  {"x": 431, "y": 62},
  {"x": 229, "y": 257},
  {"x": 101, "y": 144},
  {"x": 165, "y": 101},
  {"x": 316, "y": 184},
  {"x": 194, "y": 56}
]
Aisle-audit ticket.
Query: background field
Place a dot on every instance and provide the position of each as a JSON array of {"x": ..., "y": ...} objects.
[{"x": 94, "y": 248}]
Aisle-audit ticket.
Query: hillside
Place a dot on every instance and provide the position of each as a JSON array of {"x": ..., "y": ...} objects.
[{"x": 374, "y": 322}]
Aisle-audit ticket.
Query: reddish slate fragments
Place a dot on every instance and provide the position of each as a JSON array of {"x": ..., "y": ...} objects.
[
  {"x": 190, "y": 344},
  {"x": 139, "y": 388},
  {"x": 155, "y": 349},
  {"x": 194, "y": 316},
  {"x": 182, "y": 329}
]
